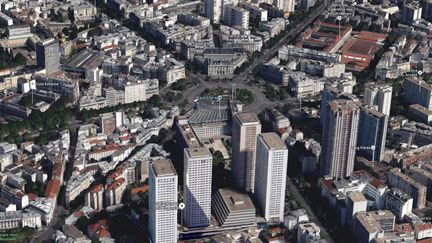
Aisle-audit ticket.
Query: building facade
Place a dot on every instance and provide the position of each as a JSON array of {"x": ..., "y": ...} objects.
[
  {"x": 246, "y": 127},
  {"x": 339, "y": 138},
  {"x": 213, "y": 10},
  {"x": 197, "y": 186},
  {"x": 94, "y": 197},
  {"x": 408, "y": 185},
  {"x": 417, "y": 91},
  {"x": 235, "y": 16},
  {"x": 379, "y": 96},
  {"x": 48, "y": 55},
  {"x": 372, "y": 134},
  {"x": 270, "y": 176},
  {"x": 163, "y": 201},
  {"x": 398, "y": 202}
]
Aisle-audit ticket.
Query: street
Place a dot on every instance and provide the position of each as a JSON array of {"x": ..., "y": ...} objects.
[
  {"x": 61, "y": 212},
  {"x": 304, "y": 204},
  {"x": 260, "y": 100}
]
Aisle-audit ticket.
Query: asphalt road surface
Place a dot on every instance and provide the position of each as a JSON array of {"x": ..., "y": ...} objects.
[
  {"x": 312, "y": 217},
  {"x": 260, "y": 100}
]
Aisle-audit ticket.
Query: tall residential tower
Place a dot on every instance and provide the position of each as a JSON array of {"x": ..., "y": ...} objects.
[
  {"x": 163, "y": 202},
  {"x": 372, "y": 132},
  {"x": 378, "y": 96},
  {"x": 197, "y": 181},
  {"x": 339, "y": 138},
  {"x": 48, "y": 55},
  {"x": 270, "y": 177},
  {"x": 246, "y": 127},
  {"x": 213, "y": 10}
]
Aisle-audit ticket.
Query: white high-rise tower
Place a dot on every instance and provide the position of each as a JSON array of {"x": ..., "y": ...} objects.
[
  {"x": 213, "y": 10},
  {"x": 270, "y": 175},
  {"x": 163, "y": 202},
  {"x": 378, "y": 96},
  {"x": 197, "y": 187},
  {"x": 245, "y": 128}
]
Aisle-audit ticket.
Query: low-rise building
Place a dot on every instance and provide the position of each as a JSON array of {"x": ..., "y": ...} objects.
[
  {"x": 280, "y": 122},
  {"x": 373, "y": 224},
  {"x": 114, "y": 192},
  {"x": 303, "y": 85},
  {"x": 308, "y": 232},
  {"x": 94, "y": 197},
  {"x": 275, "y": 74},
  {"x": 76, "y": 185},
  {"x": 295, "y": 217},
  {"x": 15, "y": 196},
  {"x": 274, "y": 27},
  {"x": 421, "y": 113},
  {"x": 83, "y": 11},
  {"x": 220, "y": 63},
  {"x": 45, "y": 207},
  {"x": 423, "y": 230},
  {"x": 18, "y": 219},
  {"x": 398, "y": 202},
  {"x": 408, "y": 185},
  {"x": 233, "y": 208}
]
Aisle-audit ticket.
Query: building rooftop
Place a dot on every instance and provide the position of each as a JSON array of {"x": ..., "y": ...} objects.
[
  {"x": 116, "y": 184},
  {"x": 421, "y": 109},
  {"x": 373, "y": 112},
  {"x": 397, "y": 172},
  {"x": 247, "y": 118},
  {"x": 342, "y": 105},
  {"x": 357, "y": 197},
  {"x": 379, "y": 86},
  {"x": 198, "y": 152},
  {"x": 311, "y": 227},
  {"x": 370, "y": 219},
  {"x": 235, "y": 200},
  {"x": 53, "y": 188},
  {"x": 397, "y": 193},
  {"x": 272, "y": 141},
  {"x": 97, "y": 188},
  {"x": 189, "y": 136},
  {"x": 86, "y": 59},
  {"x": 73, "y": 232},
  {"x": 48, "y": 41},
  {"x": 163, "y": 167},
  {"x": 43, "y": 204},
  {"x": 420, "y": 82}
]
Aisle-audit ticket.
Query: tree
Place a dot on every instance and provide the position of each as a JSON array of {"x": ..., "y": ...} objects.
[
  {"x": 172, "y": 96},
  {"x": 82, "y": 223},
  {"x": 71, "y": 16},
  {"x": 73, "y": 32},
  {"x": 64, "y": 18},
  {"x": 217, "y": 158},
  {"x": 20, "y": 60},
  {"x": 162, "y": 83}
]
